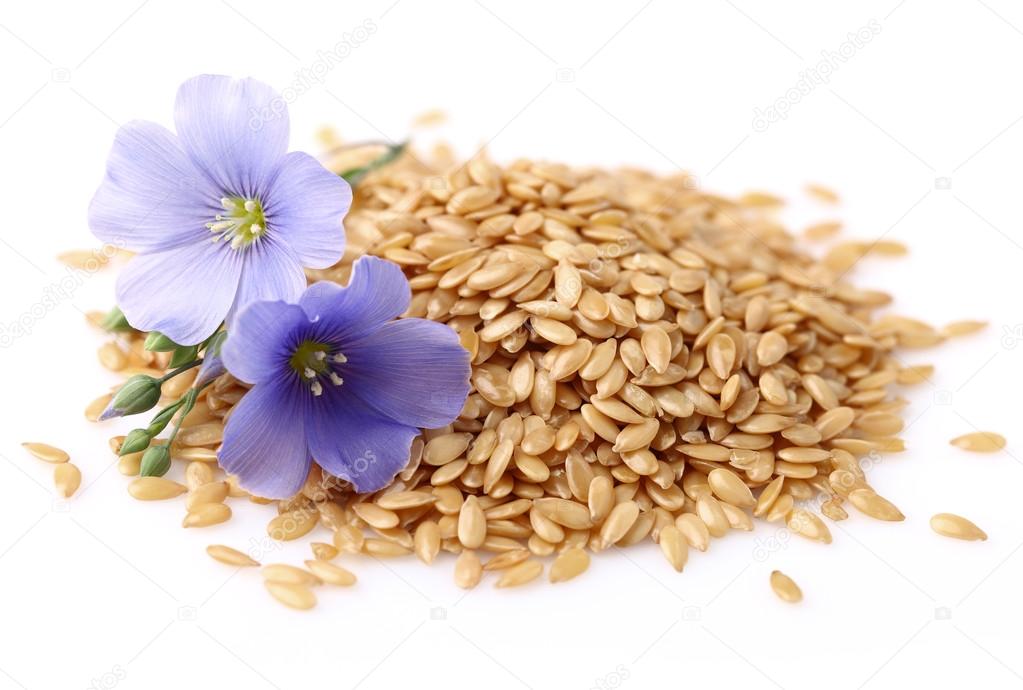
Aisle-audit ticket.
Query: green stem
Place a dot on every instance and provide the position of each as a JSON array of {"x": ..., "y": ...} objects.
[
  {"x": 187, "y": 403},
  {"x": 182, "y": 368}
]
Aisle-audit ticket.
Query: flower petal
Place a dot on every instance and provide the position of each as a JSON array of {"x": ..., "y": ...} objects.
[
  {"x": 264, "y": 441},
  {"x": 270, "y": 271},
  {"x": 234, "y": 129},
  {"x": 304, "y": 207},
  {"x": 348, "y": 440},
  {"x": 413, "y": 371},
  {"x": 262, "y": 340},
  {"x": 152, "y": 197},
  {"x": 184, "y": 293},
  {"x": 376, "y": 293}
]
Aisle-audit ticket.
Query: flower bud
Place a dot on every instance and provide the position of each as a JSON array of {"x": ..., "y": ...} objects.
[
  {"x": 212, "y": 364},
  {"x": 183, "y": 354},
  {"x": 155, "y": 461},
  {"x": 158, "y": 342},
  {"x": 163, "y": 418},
  {"x": 136, "y": 440},
  {"x": 115, "y": 321},
  {"x": 138, "y": 394}
]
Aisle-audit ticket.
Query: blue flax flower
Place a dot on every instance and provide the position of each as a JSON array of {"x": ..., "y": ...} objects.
[
  {"x": 220, "y": 214},
  {"x": 337, "y": 379}
]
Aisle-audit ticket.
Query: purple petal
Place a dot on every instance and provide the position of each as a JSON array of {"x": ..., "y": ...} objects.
[
  {"x": 377, "y": 292},
  {"x": 270, "y": 271},
  {"x": 184, "y": 293},
  {"x": 304, "y": 206},
  {"x": 413, "y": 371},
  {"x": 350, "y": 441},
  {"x": 262, "y": 340},
  {"x": 264, "y": 441},
  {"x": 152, "y": 198},
  {"x": 234, "y": 129}
]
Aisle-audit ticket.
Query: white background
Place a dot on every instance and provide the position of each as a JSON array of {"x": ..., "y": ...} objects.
[{"x": 106, "y": 591}]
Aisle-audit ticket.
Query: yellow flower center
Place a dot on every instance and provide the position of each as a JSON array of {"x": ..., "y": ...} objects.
[{"x": 241, "y": 223}]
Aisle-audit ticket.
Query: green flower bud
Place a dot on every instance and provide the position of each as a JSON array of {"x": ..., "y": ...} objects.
[
  {"x": 138, "y": 394},
  {"x": 183, "y": 355},
  {"x": 115, "y": 322},
  {"x": 136, "y": 440},
  {"x": 163, "y": 417},
  {"x": 158, "y": 342},
  {"x": 155, "y": 461}
]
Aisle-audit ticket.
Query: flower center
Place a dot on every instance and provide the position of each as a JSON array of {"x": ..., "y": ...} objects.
[
  {"x": 241, "y": 223},
  {"x": 314, "y": 361}
]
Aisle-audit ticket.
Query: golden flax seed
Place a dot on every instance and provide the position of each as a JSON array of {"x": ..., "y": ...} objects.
[{"x": 957, "y": 527}]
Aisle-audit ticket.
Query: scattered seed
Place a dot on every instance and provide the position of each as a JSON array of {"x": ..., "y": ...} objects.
[
  {"x": 427, "y": 541},
  {"x": 375, "y": 516},
  {"x": 289, "y": 574},
  {"x": 980, "y": 442},
  {"x": 349, "y": 539},
  {"x": 618, "y": 523},
  {"x": 155, "y": 489},
  {"x": 727, "y": 486},
  {"x": 520, "y": 574},
  {"x": 225, "y": 554},
  {"x": 869, "y": 503},
  {"x": 67, "y": 478},
  {"x": 506, "y": 559},
  {"x": 330, "y": 573},
  {"x": 822, "y": 231},
  {"x": 570, "y": 563},
  {"x": 785, "y": 587},
  {"x": 207, "y": 514},
  {"x": 674, "y": 546},
  {"x": 294, "y": 596},
  {"x": 949, "y": 525},
  {"x": 95, "y": 408},
  {"x": 384, "y": 548},
  {"x": 46, "y": 452},
  {"x": 468, "y": 569},
  {"x": 807, "y": 524},
  {"x": 214, "y": 492},
  {"x": 694, "y": 530},
  {"x": 472, "y": 524},
  {"x": 322, "y": 551},
  {"x": 292, "y": 524},
  {"x": 957, "y": 328}
]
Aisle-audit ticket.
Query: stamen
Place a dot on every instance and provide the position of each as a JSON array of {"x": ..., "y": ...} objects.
[
  {"x": 320, "y": 355},
  {"x": 316, "y": 388},
  {"x": 335, "y": 379},
  {"x": 309, "y": 373},
  {"x": 339, "y": 358},
  {"x": 242, "y": 222}
]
